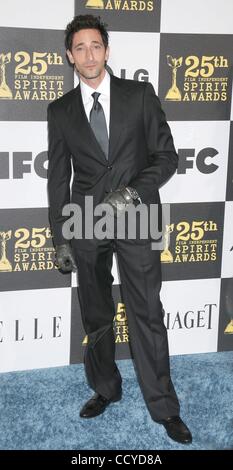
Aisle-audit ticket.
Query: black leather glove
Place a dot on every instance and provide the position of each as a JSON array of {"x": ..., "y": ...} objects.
[
  {"x": 64, "y": 258},
  {"x": 121, "y": 198}
]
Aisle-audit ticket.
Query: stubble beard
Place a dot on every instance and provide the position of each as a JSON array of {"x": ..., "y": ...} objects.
[{"x": 92, "y": 74}]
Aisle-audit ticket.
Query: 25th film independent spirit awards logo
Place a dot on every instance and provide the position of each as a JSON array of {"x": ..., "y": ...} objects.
[
  {"x": 196, "y": 76},
  {"x": 193, "y": 241},
  {"x": 123, "y": 15},
  {"x": 30, "y": 252},
  {"x": 26, "y": 251},
  {"x": 33, "y": 72},
  {"x": 125, "y": 5}
]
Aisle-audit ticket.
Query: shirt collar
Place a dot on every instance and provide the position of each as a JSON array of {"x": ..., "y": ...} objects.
[{"x": 103, "y": 88}]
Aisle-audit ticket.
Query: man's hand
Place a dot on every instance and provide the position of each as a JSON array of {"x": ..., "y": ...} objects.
[
  {"x": 64, "y": 258},
  {"x": 121, "y": 198}
]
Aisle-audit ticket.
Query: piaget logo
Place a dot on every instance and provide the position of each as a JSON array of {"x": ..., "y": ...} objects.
[
  {"x": 192, "y": 318},
  {"x": 128, "y": 5},
  {"x": 194, "y": 78},
  {"x": 192, "y": 244},
  {"x": 32, "y": 79},
  {"x": 30, "y": 252}
]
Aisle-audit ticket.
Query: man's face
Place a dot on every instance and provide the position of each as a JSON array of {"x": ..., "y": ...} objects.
[{"x": 88, "y": 54}]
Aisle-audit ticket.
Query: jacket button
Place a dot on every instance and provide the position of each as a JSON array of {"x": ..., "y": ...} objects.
[{"x": 109, "y": 167}]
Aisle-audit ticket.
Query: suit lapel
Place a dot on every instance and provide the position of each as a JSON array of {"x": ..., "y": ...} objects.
[
  {"x": 118, "y": 113},
  {"x": 78, "y": 115}
]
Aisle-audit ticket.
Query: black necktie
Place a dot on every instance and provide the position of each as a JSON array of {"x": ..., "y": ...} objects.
[{"x": 98, "y": 123}]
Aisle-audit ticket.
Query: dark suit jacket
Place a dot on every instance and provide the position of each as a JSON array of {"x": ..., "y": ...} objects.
[{"x": 141, "y": 149}]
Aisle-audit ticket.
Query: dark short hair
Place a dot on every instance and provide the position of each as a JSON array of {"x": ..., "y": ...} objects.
[{"x": 85, "y": 22}]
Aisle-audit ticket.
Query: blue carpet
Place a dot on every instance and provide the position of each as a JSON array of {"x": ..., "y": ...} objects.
[{"x": 40, "y": 408}]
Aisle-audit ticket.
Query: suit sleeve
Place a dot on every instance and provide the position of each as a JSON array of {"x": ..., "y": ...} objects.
[
  {"x": 59, "y": 174},
  {"x": 162, "y": 156}
]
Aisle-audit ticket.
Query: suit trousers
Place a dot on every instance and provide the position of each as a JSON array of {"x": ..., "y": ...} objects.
[{"x": 140, "y": 275}]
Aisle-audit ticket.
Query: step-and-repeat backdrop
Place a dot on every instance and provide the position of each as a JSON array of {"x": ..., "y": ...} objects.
[{"x": 184, "y": 49}]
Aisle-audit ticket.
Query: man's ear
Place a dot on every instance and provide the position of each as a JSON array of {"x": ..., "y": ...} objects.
[
  {"x": 70, "y": 57},
  {"x": 107, "y": 54}
]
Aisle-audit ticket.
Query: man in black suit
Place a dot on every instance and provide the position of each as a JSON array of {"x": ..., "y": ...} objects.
[{"x": 116, "y": 135}]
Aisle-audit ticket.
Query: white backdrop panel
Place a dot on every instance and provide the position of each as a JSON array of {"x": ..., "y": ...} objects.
[
  {"x": 134, "y": 51},
  {"x": 193, "y": 325},
  {"x": 19, "y": 350},
  {"x": 195, "y": 185},
  {"x": 31, "y": 189},
  {"x": 199, "y": 16},
  {"x": 52, "y": 14}
]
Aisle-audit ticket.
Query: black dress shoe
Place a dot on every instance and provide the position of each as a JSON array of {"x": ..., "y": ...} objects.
[
  {"x": 177, "y": 430},
  {"x": 96, "y": 405}
]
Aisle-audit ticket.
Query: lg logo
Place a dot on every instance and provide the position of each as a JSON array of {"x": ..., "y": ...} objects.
[
  {"x": 140, "y": 75},
  {"x": 202, "y": 160},
  {"x": 16, "y": 165}
]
